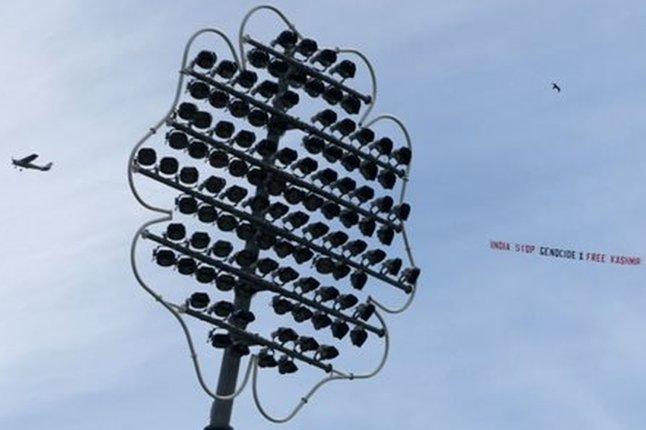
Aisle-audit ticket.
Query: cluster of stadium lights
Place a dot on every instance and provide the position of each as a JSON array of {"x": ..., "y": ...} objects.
[{"x": 292, "y": 180}]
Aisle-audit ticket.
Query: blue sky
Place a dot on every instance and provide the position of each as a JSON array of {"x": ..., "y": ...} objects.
[{"x": 494, "y": 340}]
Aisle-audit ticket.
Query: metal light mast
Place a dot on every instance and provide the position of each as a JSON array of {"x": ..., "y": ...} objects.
[{"x": 284, "y": 194}]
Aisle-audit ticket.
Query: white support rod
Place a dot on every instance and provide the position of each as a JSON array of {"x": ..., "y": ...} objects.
[{"x": 373, "y": 78}]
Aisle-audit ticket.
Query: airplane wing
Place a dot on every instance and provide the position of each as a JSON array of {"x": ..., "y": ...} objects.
[{"x": 29, "y": 158}]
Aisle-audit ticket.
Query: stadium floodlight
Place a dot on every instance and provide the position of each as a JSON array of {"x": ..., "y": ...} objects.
[{"x": 284, "y": 192}]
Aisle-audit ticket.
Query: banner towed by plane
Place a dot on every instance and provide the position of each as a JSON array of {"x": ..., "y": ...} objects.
[{"x": 569, "y": 254}]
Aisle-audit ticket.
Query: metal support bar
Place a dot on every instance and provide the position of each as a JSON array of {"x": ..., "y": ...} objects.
[{"x": 273, "y": 229}]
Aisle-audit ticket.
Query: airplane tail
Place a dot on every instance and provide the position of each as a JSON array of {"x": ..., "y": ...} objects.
[{"x": 47, "y": 166}]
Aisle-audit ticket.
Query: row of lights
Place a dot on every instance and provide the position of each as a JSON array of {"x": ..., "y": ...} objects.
[
  {"x": 189, "y": 176},
  {"x": 286, "y": 156},
  {"x": 327, "y": 178},
  {"x": 280, "y": 304},
  {"x": 220, "y": 98},
  {"x": 281, "y": 69},
  {"x": 266, "y": 357},
  {"x": 297, "y": 219},
  {"x": 222, "y": 249},
  {"x": 350, "y": 161},
  {"x": 313, "y": 231}
]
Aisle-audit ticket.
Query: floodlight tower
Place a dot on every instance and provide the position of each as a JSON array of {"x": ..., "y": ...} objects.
[{"x": 299, "y": 211}]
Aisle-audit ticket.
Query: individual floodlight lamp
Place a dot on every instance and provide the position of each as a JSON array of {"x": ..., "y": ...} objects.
[
  {"x": 284, "y": 193},
  {"x": 266, "y": 358}
]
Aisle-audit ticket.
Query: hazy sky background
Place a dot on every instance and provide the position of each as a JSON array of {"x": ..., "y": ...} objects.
[{"x": 494, "y": 341}]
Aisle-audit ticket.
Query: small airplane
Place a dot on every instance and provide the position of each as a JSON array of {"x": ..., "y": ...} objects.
[
  {"x": 555, "y": 87},
  {"x": 27, "y": 163}
]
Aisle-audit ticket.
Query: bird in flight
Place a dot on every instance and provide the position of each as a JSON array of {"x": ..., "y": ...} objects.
[
  {"x": 28, "y": 163},
  {"x": 555, "y": 87}
]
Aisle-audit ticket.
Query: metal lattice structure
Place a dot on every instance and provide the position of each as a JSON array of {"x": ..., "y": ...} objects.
[{"x": 307, "y": 215}]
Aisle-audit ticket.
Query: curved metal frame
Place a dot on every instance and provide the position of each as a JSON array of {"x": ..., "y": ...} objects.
[
  {"x": 337, "y": 377},
  {"x": 177, "y": 310},
  {"x": 245, "y": 20},
  {"x": 402, "y": 196},
  {"x": 373, "y": 77}
]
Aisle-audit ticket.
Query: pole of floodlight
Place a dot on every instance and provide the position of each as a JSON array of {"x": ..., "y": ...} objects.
[{"x": 221, "y": 410}]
